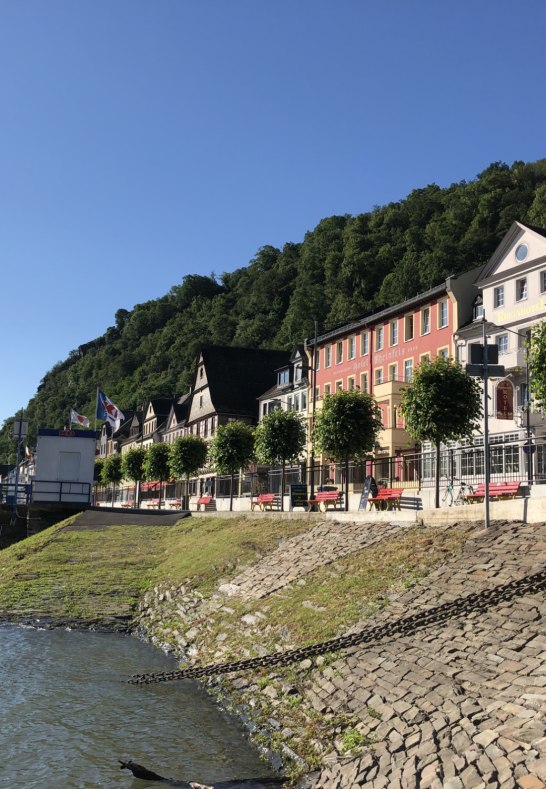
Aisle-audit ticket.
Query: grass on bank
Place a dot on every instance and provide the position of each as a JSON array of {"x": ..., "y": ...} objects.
[
  {"x": 97, "y": 573},
  {"x": 89, "y": 574}
]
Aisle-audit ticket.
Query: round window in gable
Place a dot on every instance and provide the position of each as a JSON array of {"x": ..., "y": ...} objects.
[{"x": 521, "y": 252}]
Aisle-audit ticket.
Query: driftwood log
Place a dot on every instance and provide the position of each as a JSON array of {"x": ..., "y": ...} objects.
[{"x": 244, "y": 783}]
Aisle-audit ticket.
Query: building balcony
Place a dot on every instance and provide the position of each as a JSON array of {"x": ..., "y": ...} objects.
[
  {"x": 514, "y": 359},
  {"x": 389, "y": 388}
]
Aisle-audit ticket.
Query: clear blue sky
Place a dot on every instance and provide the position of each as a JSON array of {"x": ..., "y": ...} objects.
[{"x": 142, "y": 140}]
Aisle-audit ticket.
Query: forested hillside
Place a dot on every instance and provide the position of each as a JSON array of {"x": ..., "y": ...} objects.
[{"x": 345, "y": 267}]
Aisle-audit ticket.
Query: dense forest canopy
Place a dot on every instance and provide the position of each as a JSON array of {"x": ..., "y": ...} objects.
[{"x": 345, "y": 267}]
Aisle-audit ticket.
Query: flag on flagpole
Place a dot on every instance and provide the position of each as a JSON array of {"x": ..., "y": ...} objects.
[
  {"x": 78, "y": 419},
  {"x": 107, "y": 411}
]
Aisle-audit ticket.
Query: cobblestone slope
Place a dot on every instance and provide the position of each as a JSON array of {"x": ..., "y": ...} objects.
[{"x": 458, "y": 704}]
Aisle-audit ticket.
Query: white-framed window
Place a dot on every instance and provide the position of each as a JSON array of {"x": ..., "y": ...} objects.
[
  {"x": 304, "y": 401},
  {"x": 498, "y": 296},
  {"x": 328, "y": 356},
  {"x": 444, "y": 352},
  {"x": 543, "y": 281},
  {"x": 425, "y": 320},
  {"x": 393, "y": 372},
  {"x": 521, "y": 289},
  {"x": 327, "y": 389},
  {"x": 296, "y": 402},
  {"x": 364, "y": 343},
  {"x": 364, "y": 382},
  {"x": 284, "y": 377},
  {"x": 379, "y": 338},
  {"x": 339, "y": 352},
  {"x": 379, "y": 376},
  {"x": 408, "y": 369},
  {"x": 502, "y": 342},
  {"x": 339, "y": 386},
  {"x": 350, "y": 383},
  {"x": 289, "y": 403},
  {"x": 393, "y": 328},
  {"x": 408, "y": 327},
  {"x": 443, "y": 318},
  {"x": 297, "y": 373},
  {"x": 351, "y": 347}
]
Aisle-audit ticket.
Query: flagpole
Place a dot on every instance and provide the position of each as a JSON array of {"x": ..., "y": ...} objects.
[{"x": 96, "y": 409}]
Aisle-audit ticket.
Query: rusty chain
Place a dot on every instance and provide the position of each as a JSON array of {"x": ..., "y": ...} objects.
[{"x": 476, "y": 602}]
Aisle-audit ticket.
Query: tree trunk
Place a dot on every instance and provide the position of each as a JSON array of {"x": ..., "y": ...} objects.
[
  {"x": 282, "y": 485},
  {"x": 160, "y": 492},
  {"x": 437, "y": 494},
  {"x": 231, "y": 494}
]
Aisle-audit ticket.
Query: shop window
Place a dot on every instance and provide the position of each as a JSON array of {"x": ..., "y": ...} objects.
[
  {"x": 425, "y": 321},
  {"x": 408, "y": 327},
  {"x": 502, "y": 342},
  {"x": 394, "y": 332},
  {"x": 521, "y": 289},
  {"x": 442, "y": 314},
  {"x": 498, "y": 296}
]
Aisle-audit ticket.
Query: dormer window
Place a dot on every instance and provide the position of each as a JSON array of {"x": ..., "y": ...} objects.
[
  {"x": 477, "y": 309},
  {"x": 284, "y": 377},
  {"x": 297, "y": 373}
]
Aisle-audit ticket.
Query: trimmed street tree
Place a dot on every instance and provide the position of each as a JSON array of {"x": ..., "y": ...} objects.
[
  {"x": 188, "y": 455},
  {"x": 111, "y": 473},
  {"x": 537, "y": 364},
  {"x": 441, "y": 404},
  {"x": 232, "y": 449},
  {"x": 280, "y": 438},
  {"x": 156, "y": 464},
  {"x": 132, "y": 466},
  {"x": 346, "y": 428}
]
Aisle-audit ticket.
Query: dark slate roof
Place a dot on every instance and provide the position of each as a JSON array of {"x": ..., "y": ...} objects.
[
  {"x": 161, "y": 405},
  {"x": 125, "y": 426},
  {"x": 238, "y": 376}
]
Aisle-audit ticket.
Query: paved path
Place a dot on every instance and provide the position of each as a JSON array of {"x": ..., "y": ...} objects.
[
  {"x": 101, "y": 517},
  {"x": 298, "y": 556},
  {"x": 458, "y": 705}
]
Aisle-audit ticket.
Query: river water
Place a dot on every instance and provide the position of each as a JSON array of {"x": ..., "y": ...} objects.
[{"x": 67, "y": 716}]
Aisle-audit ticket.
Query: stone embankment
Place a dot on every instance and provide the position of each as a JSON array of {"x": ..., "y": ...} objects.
[{"x": 457, "y": 704}]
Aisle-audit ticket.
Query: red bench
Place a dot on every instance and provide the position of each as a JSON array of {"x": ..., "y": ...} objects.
[
  {"x": 153, "y": 504},
  {"x": 265, "y": 501},
  {"x": 323, "y": 499},
  {"x": 386, "y": 499},
  {"x": 497, "y": 490},
  {"x": 204, "y": 501}
]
